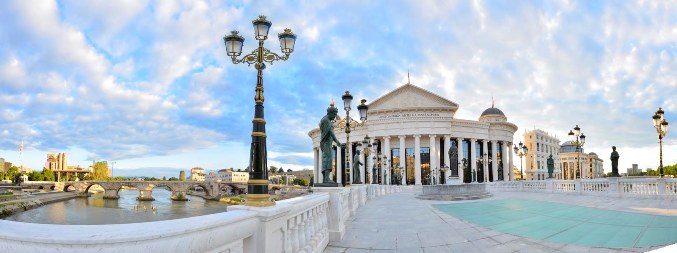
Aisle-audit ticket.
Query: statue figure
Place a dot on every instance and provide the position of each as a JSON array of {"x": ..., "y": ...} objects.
[
  {"x": 614, "y": 162},
  {"x": 453, "y": 158},
  {"x": 356, "y": 167},
  {"x": 326, "y": 140},
  {"x": 551, "y": 166}
]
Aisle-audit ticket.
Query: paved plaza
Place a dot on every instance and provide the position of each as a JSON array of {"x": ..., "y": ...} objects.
[{"x": 402, "y": 223}]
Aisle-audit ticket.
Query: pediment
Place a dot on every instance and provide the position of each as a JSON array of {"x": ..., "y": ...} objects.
[{"x": 410, "y": 96}]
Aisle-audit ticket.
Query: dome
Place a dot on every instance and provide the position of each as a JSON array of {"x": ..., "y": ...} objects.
[
  {"x": 592, "y": 153},
  {"x": 492, "y": 111},
  {"x": 568, "y": 143}
]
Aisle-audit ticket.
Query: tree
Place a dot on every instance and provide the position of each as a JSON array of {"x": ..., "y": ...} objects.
[
  {"x": 164, "y": 178},
  {"x": 35, "y": 176},
  {"x": 182, "y": 175},
  {"x": 12, "y": 172},
  {"x": 173, "y": 179},
  {"x": 273, "y": 169},
  {"x": 48, "y": 174},
  {"x": 239, "y": 170},
  {"x": 289, "y": 170},
  {"x": 301, "y": 182},
  {"x": 100, "y": 170}
]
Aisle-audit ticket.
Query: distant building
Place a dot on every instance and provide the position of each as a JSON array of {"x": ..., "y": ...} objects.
[
  {"x": 306, "y": 174},
  {"x": 635, "y": 170},
  {"x": 197, "y": 174},
  {"x": 287, "y": 179},
  {"x": 58, "y": 163},
  {"x": 590, "y": 165},
  {"x": 2, "y": 165},
  {"x": 540, "y": 146},
  {"x": 7, "y": 165},
  {"x": 595, "y": 169},
  {"x": 227, "y": 176}
]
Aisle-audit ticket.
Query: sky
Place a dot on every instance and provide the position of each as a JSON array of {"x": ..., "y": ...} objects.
[{"x": 147, "y": 84}]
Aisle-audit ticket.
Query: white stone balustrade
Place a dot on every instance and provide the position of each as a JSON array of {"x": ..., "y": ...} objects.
[
  {"x": 616, "y": 187},
  {"x": 302, "y": 224}
]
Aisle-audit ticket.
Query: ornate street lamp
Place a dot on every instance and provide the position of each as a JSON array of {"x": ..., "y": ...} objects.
[
  {"x": 374, "y": 177},
  {"x": 257, "y": 186},
  {"x": 661, "y": 126},
  {"x": 521, "y": 151},
  {"x": 366, "y": 146},
  {"x": 578, "y": 139},
  {"x": 348, "y": 123}
]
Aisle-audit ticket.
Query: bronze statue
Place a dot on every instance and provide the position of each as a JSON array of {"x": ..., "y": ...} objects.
[
  {"x": 551, "y": 166},
  {"x": 327, "y": 138},
  {"x": 614, "y": 162},
  {"x": 453, "y": 160},
  {"x": 356, "y": 168}
]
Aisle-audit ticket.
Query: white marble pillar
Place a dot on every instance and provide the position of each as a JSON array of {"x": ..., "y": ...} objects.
[
  {"x": 364, "y": 164},
  {"x": 512, "y": 163},
  {"x": 504, "y": 161},
  {"x": 339, "y": 163},
  {"x": 316, "y": 168},
  {"x": 473, "y": 159},
  {"x": 417, "y": 158},
  {"x": 459, "y": 145},
  {"x": 402, "y": 160},
  {"x": 494, "y": 159},
  {"x": 485, "y": 163},
  {"x": 433, "y": 157},
  {"x": 386, "y": 150},
  {"x": 445, "y": 153}
]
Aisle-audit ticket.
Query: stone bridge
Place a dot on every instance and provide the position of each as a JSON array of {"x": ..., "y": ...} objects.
[{"x": 178, "y": 189}]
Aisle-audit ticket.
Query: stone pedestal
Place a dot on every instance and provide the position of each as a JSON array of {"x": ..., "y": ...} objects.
[
  {"x": 326, "y": 185},
  {"x": 335, "y": 218},
  {"x": 179, "y": 196},
  {"x": 454, "y": 181}
]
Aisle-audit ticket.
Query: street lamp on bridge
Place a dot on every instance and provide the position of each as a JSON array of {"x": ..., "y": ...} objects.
[
  {"x": 661, "y": 126},
  {"x": 521, "y": 151},
  {"x": 257, "y": 186},
  {"x": 578, "y": 139}
]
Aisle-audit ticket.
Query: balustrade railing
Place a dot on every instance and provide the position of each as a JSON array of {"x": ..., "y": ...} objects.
[
  {"x": 622, "y": 187},
  {"x": 303, "y": 224}
]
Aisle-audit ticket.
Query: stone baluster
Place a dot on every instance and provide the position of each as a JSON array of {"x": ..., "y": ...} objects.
[
  {"x": 294, "y": 236},
  {"x": 301, "y": 231}
]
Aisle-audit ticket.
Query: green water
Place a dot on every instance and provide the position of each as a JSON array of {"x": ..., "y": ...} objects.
[{"x": 568, "y": 224}]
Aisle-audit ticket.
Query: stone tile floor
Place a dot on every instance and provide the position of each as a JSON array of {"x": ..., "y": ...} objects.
[{"x": 402, "y": 223}]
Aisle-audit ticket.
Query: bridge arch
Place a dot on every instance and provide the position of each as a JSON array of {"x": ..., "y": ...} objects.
[
  {"x": 69, "y": 188},
  {"x": 208, "y": 190},
  {"x": 93, "y": 184}
]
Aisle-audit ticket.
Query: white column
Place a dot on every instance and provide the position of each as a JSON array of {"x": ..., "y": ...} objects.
[
  {"x": 494, "y": 159},
  {"x": 485, "y": 164},
  {"x": 459, "y": 145},
  {"x": 402, "y": 160},
  {"x": 504, "y": 161},
  {"x": 339, "y": 163},
  {"x": 473, "y": 157},
  {"x": 364, "y": 165},
  {"x": 445, "y": 153},
  {"x": 417, "y": 158},
  {"x": 316, "y": 169},
  {"x": 512, "y": 175},
  {"x": 320, "y": 178},
  {"x": 433, "y": 156},
  {"x": 386, "y": 149}
]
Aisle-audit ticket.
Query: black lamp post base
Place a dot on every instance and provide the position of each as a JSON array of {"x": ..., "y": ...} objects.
[{"x": 332, "y": 184}]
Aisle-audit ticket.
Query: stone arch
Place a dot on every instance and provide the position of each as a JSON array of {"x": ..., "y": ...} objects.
[
  {"x": 171, "y": 188},
  {"x": 41, "y": 187},
  {"x": 52, "y": 187},
  {"x": 69, "y": 186},
  {"x": 208, "y": 191},
  {"x": 93, "y": 184},
  {"x": 123, "y": 184}
]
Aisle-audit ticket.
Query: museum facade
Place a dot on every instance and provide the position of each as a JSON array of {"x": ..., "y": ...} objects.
[{"x": 407, "y": 138}]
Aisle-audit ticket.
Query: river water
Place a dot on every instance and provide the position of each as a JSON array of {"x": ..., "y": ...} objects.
[{"x": 96, "y": 210}]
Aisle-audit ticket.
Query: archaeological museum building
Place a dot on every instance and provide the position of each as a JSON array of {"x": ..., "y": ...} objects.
[{"x": 412, "y": 137}]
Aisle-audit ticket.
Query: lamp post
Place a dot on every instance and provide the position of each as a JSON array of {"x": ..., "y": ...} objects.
[
  {"x": 661, "y": 126},
  {"x": 374, "y": 174},
  {"x": 578, "y": 139},
  {"x": 366, "y": 145},
  {"x": 348, "y": 123},
  {"x": 521, "y": 151},
  {"x": 257, "y": 186}
]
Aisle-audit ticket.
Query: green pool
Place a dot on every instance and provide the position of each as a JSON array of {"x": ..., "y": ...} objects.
[{"x": 567, "y": 224}]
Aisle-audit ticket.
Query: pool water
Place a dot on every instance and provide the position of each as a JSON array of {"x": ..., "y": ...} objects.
[{"x": 568, "y": 224}]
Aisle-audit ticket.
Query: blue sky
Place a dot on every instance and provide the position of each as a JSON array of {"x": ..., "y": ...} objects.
[{"x": 147, "y": 83}]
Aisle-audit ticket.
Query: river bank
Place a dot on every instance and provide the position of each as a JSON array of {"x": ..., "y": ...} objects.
[{"x": 27, "y": 202}]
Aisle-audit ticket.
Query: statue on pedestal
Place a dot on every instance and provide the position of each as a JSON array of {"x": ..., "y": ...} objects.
[
  {"x": 326, "y": 141},
  {"x": 453, "y": 158},
  {"x": 356, "y": 167},
  {"x": 551, "y": 166},
  {"x": 614, "y": 162}
]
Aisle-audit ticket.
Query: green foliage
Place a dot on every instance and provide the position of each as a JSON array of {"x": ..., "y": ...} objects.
[
  {"x": 48, "y": 175},
  {"x": 151, "y": 179},
  {"x": 301, "y": 182},
  {"x": 100, "y": 170},
  {"x": 273, "y": 169},
  {"x": 182, "y": 175},
  {"x": 173, "y": 179},
  {"x": 11, "y": 173},
  {"x": 289, "y": 170},
  {"x": 281, "y": 180},
  {"x": 35, "y": 176}
]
